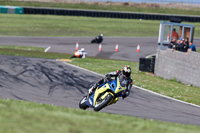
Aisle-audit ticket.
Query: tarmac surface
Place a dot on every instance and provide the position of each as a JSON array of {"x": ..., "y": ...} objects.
[
  {"x": 54, "y": 82},
  {"x": 127, "y": 45}
]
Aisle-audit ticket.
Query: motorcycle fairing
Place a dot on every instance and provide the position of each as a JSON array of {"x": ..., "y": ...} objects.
[{"x": 114, "y": 88}]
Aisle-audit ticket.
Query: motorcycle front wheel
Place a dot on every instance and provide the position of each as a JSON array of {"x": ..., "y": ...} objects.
[
  {"x": 82, "y": 103},
  {"x": 101, "y": 104}
]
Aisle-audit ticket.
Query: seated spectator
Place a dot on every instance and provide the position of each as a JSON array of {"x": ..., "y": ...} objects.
[
  {"x": 192, "y": 47},
  {"x": 172, "y": 44},
  {"x": 178, "y": 45},
  {"x": 186, "y": 44},
  {"x": 183, "y": 45},
  {"x": 187, "y": 41}
]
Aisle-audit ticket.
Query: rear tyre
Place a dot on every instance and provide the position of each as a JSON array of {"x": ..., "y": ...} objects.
[
  {"x": 93, "y": 41},
  {"x": 100, "y": 105},
  {"x": 82, "y": 103}
]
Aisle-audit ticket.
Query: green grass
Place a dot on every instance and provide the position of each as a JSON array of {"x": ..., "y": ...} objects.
[
  {"x": 28, "y": 117},
  {"x": 104, "y": 7},
  {"x": 47, "y": 25},
  {"x": 32, "y": 53},
  {"x": 21, "y": 48}
]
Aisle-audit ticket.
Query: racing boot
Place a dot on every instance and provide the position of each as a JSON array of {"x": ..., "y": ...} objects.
[{"x": 93, "y": 88}]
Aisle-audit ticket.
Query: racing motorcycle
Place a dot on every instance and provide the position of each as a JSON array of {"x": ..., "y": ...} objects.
[
  {"x": 106, "y": 94},
  {"x": 98, "y": 39}
]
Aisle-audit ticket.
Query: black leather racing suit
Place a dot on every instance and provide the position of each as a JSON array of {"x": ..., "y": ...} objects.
[{"x": 124, "y": 81}]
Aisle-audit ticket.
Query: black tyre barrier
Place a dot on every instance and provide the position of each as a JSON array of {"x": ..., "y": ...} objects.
[
  {"x": 109, "y": 14},
  {"x": 147, "y": 64}
]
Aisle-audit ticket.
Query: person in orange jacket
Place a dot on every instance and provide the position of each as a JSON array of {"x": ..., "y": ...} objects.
[{"x": 174, "y": 34}]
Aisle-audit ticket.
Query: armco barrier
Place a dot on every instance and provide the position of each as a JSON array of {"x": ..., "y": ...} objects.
[
  {"x": 11, "y": 9},
  {"x": 183, "y": 67},
  {"x": 109, "y": 14}
]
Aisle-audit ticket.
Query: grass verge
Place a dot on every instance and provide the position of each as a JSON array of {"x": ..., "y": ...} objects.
[
  {"x": 10, "y": 47},
  {"x": 108, "y": 7},
  {"x": 23, "y": 117},
  {"x": 31, "y": 52},
  {"x": 47, "y": 25}
]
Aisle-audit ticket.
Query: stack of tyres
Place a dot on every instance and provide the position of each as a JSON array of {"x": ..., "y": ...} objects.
[
  {"x": 153, "y": 59},
  {"x": 147, "y": 64}
]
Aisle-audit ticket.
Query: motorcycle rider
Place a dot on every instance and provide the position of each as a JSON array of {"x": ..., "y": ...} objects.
[
  {"x": 98, "y": 39},
  {"x": 79, "y": 53},
  {"x": 124, "y": 78}
]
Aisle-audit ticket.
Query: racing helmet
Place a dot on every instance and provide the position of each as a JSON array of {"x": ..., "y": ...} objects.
[
  {"x": 101, "y": 35},
  {"x": 126, "y": 71},
  {"x": 82, "y": 49}
]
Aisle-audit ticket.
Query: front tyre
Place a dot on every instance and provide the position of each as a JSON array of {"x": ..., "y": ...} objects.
[
  {"x": 82, "y": 103},
  {"x": 100, "y": 105}
]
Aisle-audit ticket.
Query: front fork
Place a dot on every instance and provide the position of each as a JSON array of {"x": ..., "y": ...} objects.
[{"x": 114, "y": 100}]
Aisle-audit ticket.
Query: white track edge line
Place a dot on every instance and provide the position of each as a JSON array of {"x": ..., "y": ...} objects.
[{"x": 155, "y": 93}]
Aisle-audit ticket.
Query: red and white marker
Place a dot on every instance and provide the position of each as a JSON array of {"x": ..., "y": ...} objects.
[
  {"x": 116, "y": 48},
  {"x": 138, "y": 48},
  {"x": 77, "y": 45},
  {"x": 100, "y": 47}
]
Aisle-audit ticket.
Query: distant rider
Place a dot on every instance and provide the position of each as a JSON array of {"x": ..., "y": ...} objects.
[
  {"x": 79, "y": 53},
  {"x": 124, "y": 78},
  {"x": 98, "y": 39}
]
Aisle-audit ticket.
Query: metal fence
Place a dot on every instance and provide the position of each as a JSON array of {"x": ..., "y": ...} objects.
[{"x": 108, "y": 14}]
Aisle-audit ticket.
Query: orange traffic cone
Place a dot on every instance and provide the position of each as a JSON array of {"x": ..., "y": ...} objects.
[
  {"x": 77, "y": 45},
  {"x": 138, "y": 48},
  {"x": 100, "y": 46},
  {"x": 116, "y": 48}
]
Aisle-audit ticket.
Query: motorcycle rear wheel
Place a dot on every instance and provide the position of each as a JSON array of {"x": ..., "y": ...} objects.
[
  {"x": 103, "y": 103},
  {"x": 82, "y": 103},
  {"x": 93, "y": 41}
]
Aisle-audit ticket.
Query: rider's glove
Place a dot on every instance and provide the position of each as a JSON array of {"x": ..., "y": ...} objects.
[
  {"x": 90, "y": 90},
  {"x": 107, "y": 78},
  {"x": 124, "y": 96}
]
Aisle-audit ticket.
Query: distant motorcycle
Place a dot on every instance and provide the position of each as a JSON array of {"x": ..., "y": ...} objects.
[
  {"x": 98, "y": 39},
  {"x": 106, "y": 94}
]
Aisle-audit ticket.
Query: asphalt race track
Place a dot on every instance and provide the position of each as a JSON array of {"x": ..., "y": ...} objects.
[
  {"x": 53, "y": 82},
  {"x": 127, "y": 45}
]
